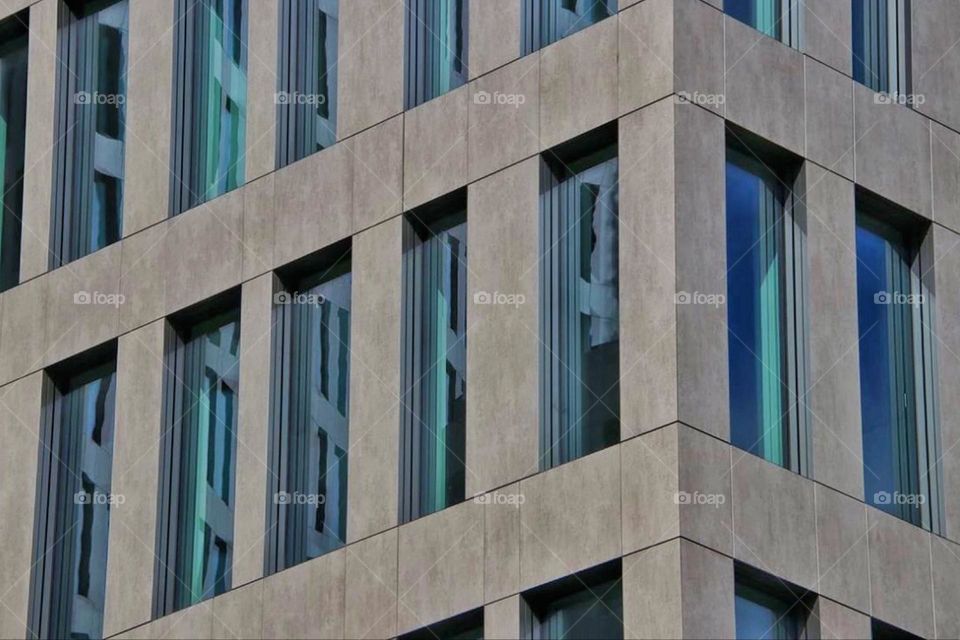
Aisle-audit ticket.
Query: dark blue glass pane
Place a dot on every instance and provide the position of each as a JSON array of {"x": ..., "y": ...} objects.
[{"x": 763, "y": 617}]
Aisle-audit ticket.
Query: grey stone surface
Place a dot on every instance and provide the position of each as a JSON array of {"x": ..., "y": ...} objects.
[
  {"x": 261, "y": 135},
  {"x": 501, "y": 542},
  {"x": 501, "y": 619},
  {"x": 945, "y": 560},
  {"x": 843, "y": 549},
  {"x": 828, "y": 100},
  {"x": 377, "y": 173},
  {"x": 494, "y": 35},
  {"x": 306, "y": 600},
  {"x": 706, "y": 509},
  {"x": 708, "y": 592},
  {"x": 650, "y": 489},
  {"x": 936, "y": 59},
  {"x": 828, "y": 26},
  {"x": 945, "y": 158},
  {"x": 838, "y": 622},
  {"x": 239, "y": 613},
  {"x": 435, "y": 147},
  {"x": 652, "y": 594},
  {"x": 371, "y": 587}
]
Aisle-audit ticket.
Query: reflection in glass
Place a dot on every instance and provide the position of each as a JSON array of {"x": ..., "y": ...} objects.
[
  {"x": 436, "y": 48},
  {"x": 546, "y": 21}
]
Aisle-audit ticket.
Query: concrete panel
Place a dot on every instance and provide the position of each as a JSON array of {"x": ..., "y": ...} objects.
[
  {"x": 833, "y": 334},
  {"x": 838, "y": 622},
  {"x": 698, "y": 55},
  {"x": 504, "y": 115},
  {"x": 650, "y": 511},
  {"x": 578, "y": 83},
  {"x": 435, "y": 147},
  {"x": 706, "y": 501},
  {"x": 900, "y": 574},
  {"x": 570, "y": 518},
  {"x": 828, "y": 26},
  {"x": 371, "y": 591},
  {"x": 494, "y": 35},
  {"x": 143, "y": 276},
  {"x": 375, "y": 367},
  {"x": 945, "y": 150},
  {"x": 39, "y": 139},
  {"x": 306, "y": 600},
  {"x": 774, "y": 519},
  {"x": 23, "y": 342},
  {"x": 945, "y": 560},
  {"x": 149, "y": 91},
  {"x": 371, "y": 63},
  {"x": 501, "y": 542},
  {"x": 215, "y": 231},
  {"x": 238, "y": 614},
  {"x": 646, "y": 53},
  {"x": 502, "y": 350},
  {"x": 136, "y": 463},
  {"x": 893, "y": 152},
  {"x": 83, "y": 304},
  {"x": 440, "y": 566},
  {"x": 652, "y": 600},
  {"x": 258, "y": 232},
  {"x": 261, "y": 135},
  {"x": 313, "y": 203},
  {"x": 842, "y": 548},
  {"x": 707, "y": 580},
  {"x": 256, "y": 318},
  {"x": 702, "y": 363},
  {"x": 501, "y": 619},
  {"x": 648, "y": 279},
  {"x": 186, "y": 624},
  {"x": 936, "y": 59},
  {"x": 764, "y": 85},
  {"x": 377, "y": 173},
  {"x": 20, "y": 404},
  {"x": 829, "y": 109}
]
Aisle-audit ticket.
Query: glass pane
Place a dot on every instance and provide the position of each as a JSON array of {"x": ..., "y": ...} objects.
[
  {"x": 755, "y": 309},
  {"x": 13, "y": 109},
  {"x": 760, "y": 616},
  {"x": 208, "y": 423},
  {"x": 579, "y": 308},
  {"x": 436, "y": 48},
  {"x": 596, "y": 611},
  {"x": 546, "y": 21},
  {"x": 763, "y": 15},
  {"x": 879, "y": 41},
  {"x": 885, "y": 305}
]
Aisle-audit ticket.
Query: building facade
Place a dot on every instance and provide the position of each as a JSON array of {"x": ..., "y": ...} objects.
[{"x": 480, "y": 318}]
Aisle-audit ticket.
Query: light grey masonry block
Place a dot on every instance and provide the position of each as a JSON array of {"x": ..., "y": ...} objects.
[
  {"x": 833, "y": 393},
  {"x": 838, "y": 622},
  {"x": 936, "y": 59},
  {"x": 440, "y": 566},
  {"x": 764, "y": 85},
  {"x": 652, "y": 596},
  {"x": 893, "y": 151},
  {"x": 143, "y": 279},
  {"x": 501, "y": 619},
  {"x": 569, "y": 519},
  {"x": 945, "y": 152},
  {"x": 377, "y": 173},
  {"x": 306, "y": 600},
  {"x": 650, "y": 512},
  {"x": 648, "y": 278},
  {"x": 435, "y": 147},
  {"x": 239, "y": 613},
  {"x": 502, "y": 348},
  {"x": 494, "y": 35},
  {"x": 945, "y": 560},
  {"x": 842, "y": 548},
  {"x": 829, "y": 108},
  {"x": 375, "y": 366},
  {"x": 828, "y": 26},
  {"x": 261, "y": 134},
  {"x": 774, "y": 520},
  {"x": 707, "y": 581},
  {"x": 20, "y": 404},
  {"x": 501, "y": 542},
  {"x": 706, "y": 500},
  {"x": 578, "y": 83},
  {"x": 258, "y": 231},
  {"x": 23, "y": 345},
  {"x": 371, "y": 588}
]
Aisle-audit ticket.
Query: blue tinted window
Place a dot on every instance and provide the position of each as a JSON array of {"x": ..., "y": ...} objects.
[
  {"x": 760, "y": 616},
  {"x": 546, "y": 21},
  {"x": 881, "y": 44},
  {"x": 436, "y": 48}
]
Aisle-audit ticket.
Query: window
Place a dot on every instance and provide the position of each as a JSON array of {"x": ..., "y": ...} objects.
[
  {"x": 13, "y": 125},
  {"x": 766, "y": 608},
  {"x": 73, "y": 502},
  {"x": 466, "y": 626},
  {"x": 779, "y": 19},
  {"x": 900, "y": 439},
  {"x": 583, "y": 606},
  {"x": 434, "y": 373},
  {"x": 881, "y": 45},
  {"x": 546, "y": 21},
  {"x": 310, "y": 434},
  {"x": 209, "y": 100},
  {"x": 307, "y": 82},
  {"x": 195, "y": 539},
  {"x": 579, "y": 305},
  {"x": 436, "y": 48},
  {"x": 765, "y": 310},
  {"x": 90, "y": 123}
]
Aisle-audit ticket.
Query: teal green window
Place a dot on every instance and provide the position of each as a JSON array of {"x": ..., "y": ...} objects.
[
  {"x": 90, "y": 124},
  {"x": 579, "y": 306},
  {"x": 197, "y": 501},
  {"x": 209, "y": 100},
  {"x": 779, "y": 19},
  {"x": 434, "y": 372},
  {"x": 436, "y": 48},
  {"x": 13, "y": 125},
  {"x": 765, "y": 312},
  {"x": 881, "y": 45},
  {"x": 69, "y": 569}
]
